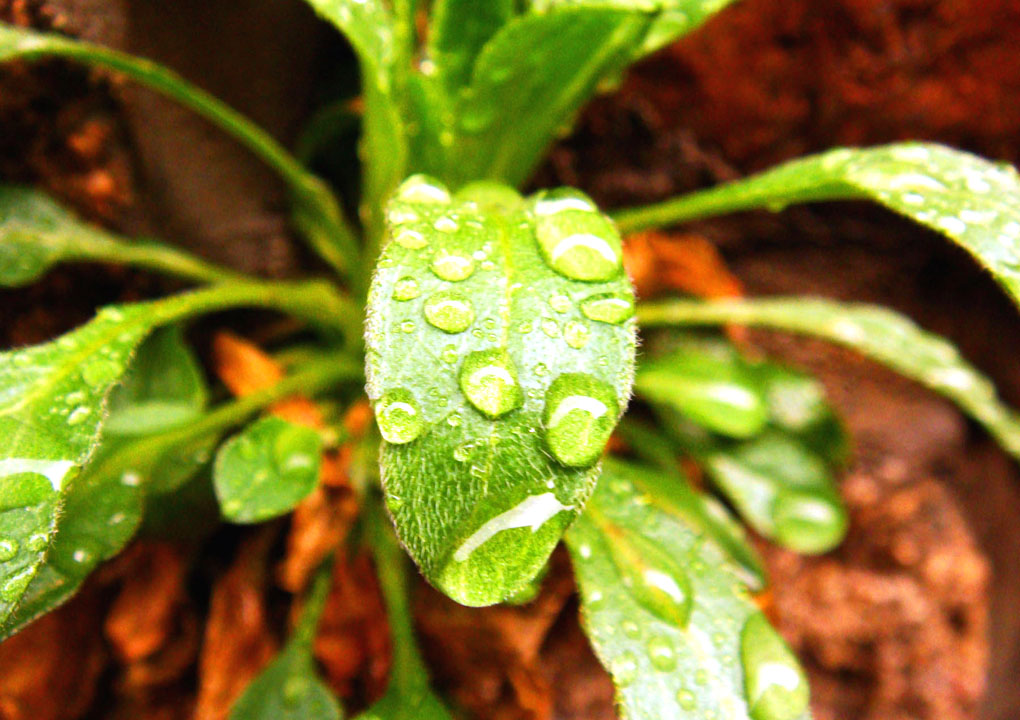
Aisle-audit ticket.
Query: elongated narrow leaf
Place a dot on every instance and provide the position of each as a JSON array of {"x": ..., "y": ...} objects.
[
  {"x": 972, "y": 201},
  {"x": 669, "y": 616},
  {"x": 500, "y": 355},
  {"x": 716, "y": 389},
  {"x": 879, "y": 333},
  {"x": 266, "y": 470},
  {"x": 36, "y": 233},
  {"x": 530, "y": 80},
  {"x": 457, "y": 32}
]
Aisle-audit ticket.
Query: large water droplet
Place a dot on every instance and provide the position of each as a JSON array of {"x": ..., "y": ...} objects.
[
  {"x": 774, "y": 683},
  {"x": 398, "y": 416},
  {"x": 576, "y": 334},
  {"x": 423, "y": 189},
  {"x": 452, "y": 265},
  {"x": 653, "y": 579},
  {"x": 576, "y": 240},
  {"x": 488, "y": 379},
  {"x": 449, "y": 311},
  {"x": 809, "y": 522},
  {"x": 15, "y": 586},
  {"x": 611, "y": 308},
  {"x": 580, "y": 412},
  {"x": 410, "y": 239},
  {"x": 78, "y": 415},
  {"x": 406, "y": 288},
  {"x": 8, "y": 549}
]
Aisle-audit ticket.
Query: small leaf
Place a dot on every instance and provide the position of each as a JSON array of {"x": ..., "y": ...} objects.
[
  {"x": 711, "y": 663},
  {"x": 530, "y": 80},
  {"x": 266, "y": 470},
  {"x": 493, "y": 430},
  {"x": 877, "y": 332},
  {"x": 164, "y": 387},
  {"x": 974, "y": 202},
  {"x": 783, "y": 490},
  {"x": 715, "y": 389}
]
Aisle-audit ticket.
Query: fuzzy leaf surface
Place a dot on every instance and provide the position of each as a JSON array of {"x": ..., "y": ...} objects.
[
  {"x": 669, "y": 616},
  {"x": 288, "y": 689},
  {"x": 485, "y": 465},
  {"x": 266, "y": 470}
]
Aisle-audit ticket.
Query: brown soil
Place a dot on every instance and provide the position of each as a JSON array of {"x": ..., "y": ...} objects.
[{"x": 903, "y": 620}]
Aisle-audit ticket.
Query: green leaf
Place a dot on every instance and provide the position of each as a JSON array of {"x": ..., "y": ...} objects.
[
  {"x": 266, "y": 470},
  {"x": 715, "y": 389},
  {"x": 530, "y": 80},
  {"x": 290, "y": 688},
  {"x": 316, "y": 211},
  {"x": 496, "y": 379},
  {"x": 458, "y": 30},
  {"x": 669, "y": 616},
  {"x": 879, "y": 333},
  {"x": 164, "y": 387},
  {"x": 970, "y": 200},
  {"x": 783, "y": 490},
  {"x": 36, "y": 233}
]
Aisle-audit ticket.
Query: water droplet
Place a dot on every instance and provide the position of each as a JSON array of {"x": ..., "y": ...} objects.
[
  {"x": 394, "y": 502},
  {"x": 449, "y": 311},
  {"x": 410, "y": 239},
  {"x": 399, "y": 417},
  {"x": 576, "y": 334},
  {"x": 686, "y": 699},
  {"x": 661, "y": 654},
  {"x": 540, "y": 370},
  {"x": 407, "y": 326},
  {"x": 130, "y": 478},
  {"x": 631, "y": 629},
  {"x": 612, "y": 308},
  {"x": 773, "y": 680},
  {"x": 8, "y": 549},
  {"x": 449, "y": 354},
  {"x": 406, "y": 288},
  {"x": 454, "y": 420},
  {"x": 580, "y": 412},
  {"x": 488, "y": 379},
  {"x": 808, "y": 522},
  {"x": 37, "y": 542},
  {"x": 78, "y": 415},
  {"x": 560, "y": 303},
  {"x": 550, "y": 327},
  {"x": 653, "y": 578},
  {"x": 446, "y": 224},
  {"x": 624, "y": 668},
  {"x": 452, "y": 265},
  {"x": 576, "y": 240},
  {"x": 423, "y": 189},
  {"x": 525, "y": 327},
  {"x": 16, "y": 585}
]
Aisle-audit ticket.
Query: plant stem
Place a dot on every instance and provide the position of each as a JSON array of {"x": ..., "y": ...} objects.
[
  {"x": 161, "y": 258},
  {"x": 315, "y": 603}
]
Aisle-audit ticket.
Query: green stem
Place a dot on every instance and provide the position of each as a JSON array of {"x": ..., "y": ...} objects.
[
  {"x": 311, "y": 379},
  {"x": 315, "y": 603},
  {"x": 749, "y": 194},
  {"x": 158, "y": 257},
  {"x": 391, "y": 565},
  {"x": 317, "y": 214}
]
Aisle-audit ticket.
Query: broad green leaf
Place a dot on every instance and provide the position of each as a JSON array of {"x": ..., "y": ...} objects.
[
  {"x": 972, "y": 201},
  {"x": 52, "y": 405},
  {"x": 784, "y": 491},
  {"x": 716, "y": 389},
  {"x": 290, "y": 688},
  {"x": 164, "y": 387},
  {"x": 316, "y": 212},
  {"x": 669, "y": 616},
  {"x": 879, "y": 333},
  {"x": 266, "y": 470},
  {"x": 530, "y": 80},
  {"x": 36, "y": 233},
  {"x": 496, "y": 377}
]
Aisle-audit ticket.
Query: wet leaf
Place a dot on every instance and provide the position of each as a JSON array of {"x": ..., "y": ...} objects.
[
  {"x": 634, "y": 559},
  {"x": 266, "y": 470},
  {"x": 879, "y": 333},
  {"x": 500, "y": 354},
  {"x": 458, "y": 29},
  {"x": 972, "y": 201}
]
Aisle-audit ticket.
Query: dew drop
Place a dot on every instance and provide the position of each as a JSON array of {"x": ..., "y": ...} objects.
[
  {"x": 774, "y": 683},
  {"x": 454, "y": 420},
  {"x": 37, "y": 542},
  {"x": 399, "y": 417},
  {"x": 406, "y": 288},
  {"x": 624, "y": 668},
  {"x": 449, "y": 354},
  {"x": 78, "y": 415},
  {"x": 452, "y": 266},
  {"x": 653, "y": 579},
  {"x": 8, "y": 549},
  {"x": 576, "y": 334},
  {"x": 410, "y": 239},
  {"x": 550, "y": 327},
  {"x": 661, "y": 654},
  {"x": 449, "y": 311},
  {"x": 394, "y": 502},
  {"x": 525, "y": 327},
  {"x": 423, "y": 189},
  {"x": 488, "y": 379},
  {"x": 407, "y": 326},
  {"x": 560, "y": 303},
  {"x": 631, "y": 629},
  {"x": 580, "y": 412},
  {"x": 612, "y": 308},
  {"x": 686, "y": 699},
  {"x": 808, "y": 522},
  {"x": 446, "y": 224},
  {"x": 540, "y": 370},
  {"x": 576, "y": 240}
]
